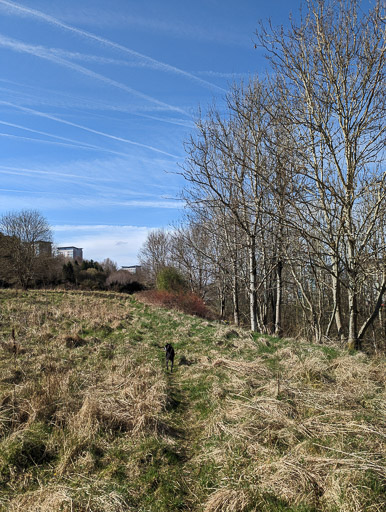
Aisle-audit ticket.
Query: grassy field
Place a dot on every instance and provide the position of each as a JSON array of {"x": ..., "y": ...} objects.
[{"x": 91, "y": 421}]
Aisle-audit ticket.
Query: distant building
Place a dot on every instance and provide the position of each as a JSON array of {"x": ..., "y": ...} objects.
[
  {"x": 43, "y": 247},
  {"x": 39, "y": 247},
  {"x": 71, "y": 252},
  {"x": 133, "y": 269}
]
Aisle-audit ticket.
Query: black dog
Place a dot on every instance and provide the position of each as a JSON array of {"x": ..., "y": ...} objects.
[{"x": 169, "y": 356}]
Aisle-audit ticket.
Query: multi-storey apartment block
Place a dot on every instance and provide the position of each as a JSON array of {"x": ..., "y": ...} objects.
[{"x": 71, "y": 252}]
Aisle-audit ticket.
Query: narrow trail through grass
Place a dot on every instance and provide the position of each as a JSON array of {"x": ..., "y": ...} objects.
[
  {"x": 184, "y": 417},
  {"x": 180, "y": 442}
]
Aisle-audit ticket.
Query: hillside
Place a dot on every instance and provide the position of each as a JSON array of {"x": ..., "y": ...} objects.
[{"x": 91, "y": 421}]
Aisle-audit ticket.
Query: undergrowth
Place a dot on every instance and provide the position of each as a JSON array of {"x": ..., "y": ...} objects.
[{"x": 90, "y": 421}]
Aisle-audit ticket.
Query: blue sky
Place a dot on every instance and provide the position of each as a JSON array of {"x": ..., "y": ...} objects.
[{"x": 97, "y": 98}]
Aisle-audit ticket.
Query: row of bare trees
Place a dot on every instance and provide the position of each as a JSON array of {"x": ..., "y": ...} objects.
[{"x": 286, "y": 196}]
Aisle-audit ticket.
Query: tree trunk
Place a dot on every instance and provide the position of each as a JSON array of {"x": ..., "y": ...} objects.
[
  {"x": 222, "y": 302},
  {"x": 337, "y": 300},
  {"x": 252, "y": 283},
  {"x": 279, "y": 290},
  {"x": 377, "y": 310},
  {"x": 353, "y": 341},
  {"x": 235, "y": 296}
]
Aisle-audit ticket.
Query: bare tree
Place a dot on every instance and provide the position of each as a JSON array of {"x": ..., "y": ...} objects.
[
  {"x": 209, "y": 236},
  {"x": 155, "y": 253},
  {"x": 227, "y": 169},
  {"x": 190, "y": 246},
  {"x": 109, "y": 266},
  {"x": 332, "y": 69},
  {"x": 28, "y": 240}
]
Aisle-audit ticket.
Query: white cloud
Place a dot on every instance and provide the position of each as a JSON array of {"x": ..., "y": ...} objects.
[
  {"x": 176, "y": 27},
  {"x": 21, "y": 200},
  {"x": 119, "y": 243},
  {"x": 51, "y": 142},
  {"x": 220, "y": 74},
  {"x": 118, "y": 178}
]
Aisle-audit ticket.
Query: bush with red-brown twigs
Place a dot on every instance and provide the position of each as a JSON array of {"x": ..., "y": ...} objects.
[{"x": 189, "y": 303}]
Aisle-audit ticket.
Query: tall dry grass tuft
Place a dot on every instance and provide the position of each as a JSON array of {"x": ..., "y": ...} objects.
[
  {"x": 89, "y": 498},
  {"x": 45, "y": 499},
  {"x": 228, "y": 500},
  {"x": 133, "y": 405},
  {"x": 321, "y": 482},
  {"x": 255, "y": 368},
  {"x": 344, "y": 491}
]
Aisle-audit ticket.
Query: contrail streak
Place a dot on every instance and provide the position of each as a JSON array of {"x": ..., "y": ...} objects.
[
  {"x": 82, "y": 103},
  {"x": 70, "y": 142},
  {"x": 89, "y": 35},
  {"x": 81, "y": 127},
  {"x": 22, "y": 171},
  {"x": 42, "y": 141},
  {"x": 66, "y": 144},
  {"x": 44, "y": 53},
  {"x": 65, "y": 139}
]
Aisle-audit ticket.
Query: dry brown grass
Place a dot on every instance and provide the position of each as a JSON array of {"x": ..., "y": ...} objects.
[
  {"x": 316, "y": 480},
  {"x": 85, "y": 384},
  {"x": 132, "y": 404},
  {"x": 246, "y": 368},
  {"x": 312, "y": 429},
  {"x": 62, "y": 498},
  {"x": 227, "y": 500},
  {"x": 266, "y": 425}
]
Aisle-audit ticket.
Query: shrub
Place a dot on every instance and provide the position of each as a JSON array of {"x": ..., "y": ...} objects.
[
  {"x": 188, "y": 303},
  {"x": 90, "y": 284},
  {"x": 124, "y": 282},
  {"x": 170, "y": 280}
]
